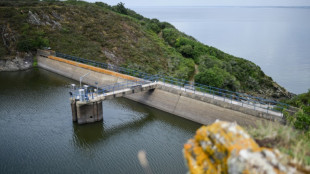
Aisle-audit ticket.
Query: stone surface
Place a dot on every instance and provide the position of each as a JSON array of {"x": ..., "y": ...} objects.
[
  {"x": 19, "y": 62},
  {"x": 225, "y": 147},
  {"x": 45, "y": 19}
]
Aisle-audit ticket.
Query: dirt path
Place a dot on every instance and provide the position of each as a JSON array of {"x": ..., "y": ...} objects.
[{"x": 192, "y": 79}]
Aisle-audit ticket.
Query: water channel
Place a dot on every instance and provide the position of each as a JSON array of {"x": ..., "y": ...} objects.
[{"x": 37, "y": 134}]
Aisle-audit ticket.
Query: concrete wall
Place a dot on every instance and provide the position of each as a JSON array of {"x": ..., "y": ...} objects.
[
  {"x": 75, "y": 73},
  {"x": 195, "y": 110},
  {"x": 89, "y": 113},
  {"x": 181, "y": 104}
]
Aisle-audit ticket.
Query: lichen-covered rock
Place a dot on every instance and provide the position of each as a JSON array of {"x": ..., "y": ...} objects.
[{"x": 225, "y": 147}]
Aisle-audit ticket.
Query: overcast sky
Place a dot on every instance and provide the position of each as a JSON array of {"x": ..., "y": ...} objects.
[{"x": 134, "y": 3}]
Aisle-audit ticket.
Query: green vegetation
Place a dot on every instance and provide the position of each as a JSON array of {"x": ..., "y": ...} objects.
[
  {"x": 35, "y": 62},
  {"x": 293, "y": 142},
  {"x": 293, "y": 138},
  {"x": 117, "y": 35},
  {"x": 301, "y": 119}
]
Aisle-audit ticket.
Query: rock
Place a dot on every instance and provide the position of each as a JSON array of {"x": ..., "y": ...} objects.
[
  {"x": 56, "y": 15},
  {"x": 8, "y": 37},
  {"x": 112, "y": 58},
  {"x": 19, "y": 62},
  {"x": 225, "y": 147},
  {"x": 34, "y": 19}
]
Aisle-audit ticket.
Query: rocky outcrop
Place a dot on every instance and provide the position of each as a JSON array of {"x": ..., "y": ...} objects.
[
  {"x": 19, "y": 62},
  {"x": 44, "y": 19},
  {"x": 226, "y": 148},
  {"x": 8, "y": 38}
]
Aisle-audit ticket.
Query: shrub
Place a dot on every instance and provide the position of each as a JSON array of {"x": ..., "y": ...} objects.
[
  {"x": 185, "y": 69},
  {"x": 170, "y": 35},
  {"x": 187, "y": 51},
  {"x": 207, "y": 61},
  {"x": 120, "y": 8},
  {"x": 301, "y": 119},
  {"x": 31, "y": 44},
  {"x": 153, "y": 27},
  {"x": 164, "y": 25},
  {"x": 218, "y": 77}
]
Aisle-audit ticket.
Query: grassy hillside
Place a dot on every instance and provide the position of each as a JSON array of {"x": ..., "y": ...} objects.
[{"x": 117, "y": 35}]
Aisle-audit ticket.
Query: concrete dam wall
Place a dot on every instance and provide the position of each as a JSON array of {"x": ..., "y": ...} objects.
[{"x": 187, "y": 105}]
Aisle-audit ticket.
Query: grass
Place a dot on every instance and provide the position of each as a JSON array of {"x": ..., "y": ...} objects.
[
  {"x": 35, "y": 62},
  {"x": 295, "y": 143}
]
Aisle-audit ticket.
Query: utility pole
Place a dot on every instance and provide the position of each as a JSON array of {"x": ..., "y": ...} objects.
[{"x": 81, "y": 78}]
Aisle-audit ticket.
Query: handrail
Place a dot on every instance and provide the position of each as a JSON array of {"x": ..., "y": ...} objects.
[{"x": 186, "y": 85}]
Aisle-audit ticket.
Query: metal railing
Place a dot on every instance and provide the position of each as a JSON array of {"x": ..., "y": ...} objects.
[{"x": 257, "y": 103}]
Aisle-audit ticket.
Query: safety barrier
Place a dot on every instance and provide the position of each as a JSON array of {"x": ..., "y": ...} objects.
[{"x": 196, "y": 88}]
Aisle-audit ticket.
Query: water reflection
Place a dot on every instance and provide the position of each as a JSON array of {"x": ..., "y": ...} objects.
[{"x": 91, "y": 134}]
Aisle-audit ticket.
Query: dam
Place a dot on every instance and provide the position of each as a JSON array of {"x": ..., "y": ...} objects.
[{"x": 190, "y": 103}]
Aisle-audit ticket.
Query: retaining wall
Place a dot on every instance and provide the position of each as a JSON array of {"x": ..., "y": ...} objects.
[{"x": 186, "y": 105}]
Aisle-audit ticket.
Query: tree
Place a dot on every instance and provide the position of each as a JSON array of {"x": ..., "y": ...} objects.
[{"x": 120, "y": 8}]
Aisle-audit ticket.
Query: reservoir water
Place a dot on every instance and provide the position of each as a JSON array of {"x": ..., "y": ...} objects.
[
  {"x": 37, "y": 134},
  {"x": 275, "y": 38}
]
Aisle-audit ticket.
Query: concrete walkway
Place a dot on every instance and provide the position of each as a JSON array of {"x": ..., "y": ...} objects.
[
  {"x": 152, "y": 85},
  {"x": 250, "y": 105},
  {"x": 122, "y": 92}
]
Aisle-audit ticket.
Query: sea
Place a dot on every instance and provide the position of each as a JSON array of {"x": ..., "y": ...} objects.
[{"x": 275, "y": 38}]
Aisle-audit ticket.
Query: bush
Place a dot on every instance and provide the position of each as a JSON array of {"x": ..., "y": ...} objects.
[
  {"x": 218, "y": 77},
  {"x": 186, "y": 69},
  {"x": 207, "y": 61},
  {"x": 197, "y": 49},
  {"x": 301, "y": 119},
  {"x": 153, "y": 27},
  {"x": 170, "y": 35},
  {"x": 30, "y": 44},
  {"x": 120, "y": 8},
  {"x": 187, "y": 51},
  {"x": 164, "y": 25}
]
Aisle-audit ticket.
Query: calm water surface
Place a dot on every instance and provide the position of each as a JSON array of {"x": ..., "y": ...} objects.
[
  {"x": 38, "y": 136},
  {"x": 276, "y": 39}
]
